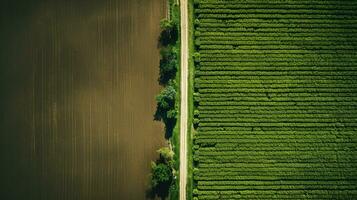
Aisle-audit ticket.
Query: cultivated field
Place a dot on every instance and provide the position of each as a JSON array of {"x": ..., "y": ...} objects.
[
  {"x": 78, "y": 81},
  {"x": 276, "y": 97}
]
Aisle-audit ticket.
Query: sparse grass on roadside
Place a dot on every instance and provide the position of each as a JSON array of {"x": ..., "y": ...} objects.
[
  {"x": 175, "y": 139},
  {"x": 190, "y": 131}
]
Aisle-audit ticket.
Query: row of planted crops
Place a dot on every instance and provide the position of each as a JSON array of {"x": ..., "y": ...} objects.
[{"x": 275, "y": 99}]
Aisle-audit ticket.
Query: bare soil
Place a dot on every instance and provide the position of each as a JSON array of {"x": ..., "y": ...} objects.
[{"x": 78, "y": 81}]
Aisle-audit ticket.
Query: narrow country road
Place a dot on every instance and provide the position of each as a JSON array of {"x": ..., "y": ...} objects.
[{"x": 184, "y": 99}]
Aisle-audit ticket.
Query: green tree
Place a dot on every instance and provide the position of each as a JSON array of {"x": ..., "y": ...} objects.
[
  {"x": 166, "y": 110},
  {"x": 166, "y": 154},
  {"x": 161, "y": 174},
  {"x": 166, "y": 24},
  {"x": 166, "y": 100},
  {"x": 171, "y": 114},
  {"x": 168, "y": 65},
  {"x": 169, "y": 34}
]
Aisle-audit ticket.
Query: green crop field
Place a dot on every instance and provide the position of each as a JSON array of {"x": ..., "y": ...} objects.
[{"x": 275, "y": 99}]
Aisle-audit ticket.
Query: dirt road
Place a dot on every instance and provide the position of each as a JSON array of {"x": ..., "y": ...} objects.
[{"x": 184, "y": 93}]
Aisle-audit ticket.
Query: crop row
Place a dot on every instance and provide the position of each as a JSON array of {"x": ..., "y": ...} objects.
[
  {"x": 265, "y": 147},
  {"x": 257, "y": 11},
  {"x": 274, "y": 16},
  {"x": 276, "y": 68},
  {"x": 273, "y": 116},
  {"x": 273, "y": 51},
  {"x": 269, "y": 43},
  {"x": 264, "y": 5},
  {"x": 313, "y": 65},
  {"x": 306, "y": 80},
  {"x": 292, "y": 31},
  {"x": 268, "y": 142},
  {"x": 270, "y": 159},
  {"x": 270, "y": 47},
  {"x": 262, "y": 145},
  {"x": 274, "y": 120},
  {"x": 280, "y": 132},
  {"x": 275, "y": 96},
  {"x": 284, "y": 23},
  {"x": 231, "y": 141},
  {"x": 278, "y": 90},
  {"x": 275, "y": 85},
  {"x": 333, "y": 94},
  {"x": 270, "y": 58},
  {"x": 288, "y": 175},
  {"x": 277, "y": 73},
  {"x": 275, "y": 124},
  {"x": 256, "y": 27},
  {"x": 338, "y": 127},
  {"x": 271, "y": 171},
  {"x": 288, "y": 112},
  {"x": 207, "y": 75},
  {"x": 280, "y": 187},
  {"x": 291, "y": 36},
  {"x": 267, "y": 55},
  {"x": 279, "y": 2},
  {"x": 284, "y": 65}
]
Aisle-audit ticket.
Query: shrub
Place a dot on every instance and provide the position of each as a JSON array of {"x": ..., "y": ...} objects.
[
  {"x": 196, "y": 113},
  {"x": 161, "y": 174},
  {"x": 195, "y": 191},
  {"x": 166, "y": 154},
  {"x": 169, "y": 34},
  {"x": 196, "y": 57},
  {"x": 168, "y": 65}
]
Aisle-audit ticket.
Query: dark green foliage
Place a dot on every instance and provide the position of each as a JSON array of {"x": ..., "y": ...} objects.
[
  {"x": 168, "y": 65},
  {"x": 161, "y": 174},
  {"x": 165, "y": 185},
  {"x": 161, "y": 179},
  {"x": 166, "y": 110},
  {"x": 166, "y": 101},
  {"x": 169, "y": 33}
]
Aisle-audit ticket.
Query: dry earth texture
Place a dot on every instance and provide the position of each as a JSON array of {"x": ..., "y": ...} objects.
[{"x": 78, "y": 81}]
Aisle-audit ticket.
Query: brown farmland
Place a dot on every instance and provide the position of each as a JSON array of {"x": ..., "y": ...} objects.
[{"x": 78, "y": 81}]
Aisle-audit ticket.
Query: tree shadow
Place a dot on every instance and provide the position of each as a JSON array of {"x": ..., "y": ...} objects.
[
  {"x": 169, "y": 123},
  {"x": 168, "y": 36},
  {"x": 169, "y": 128},
  {"x": 164, "y": 79},
  {"x": 161, "y": 191},
  {"x": 168, "y": 65}
]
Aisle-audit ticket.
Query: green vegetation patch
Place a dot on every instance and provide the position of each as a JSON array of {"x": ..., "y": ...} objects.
[{"x": 275, "y": 99}]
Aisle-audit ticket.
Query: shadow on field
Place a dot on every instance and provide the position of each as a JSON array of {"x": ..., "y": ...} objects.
[
  {"x": 161, "y": 191},
  {"x": 169, "y": 123}
]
